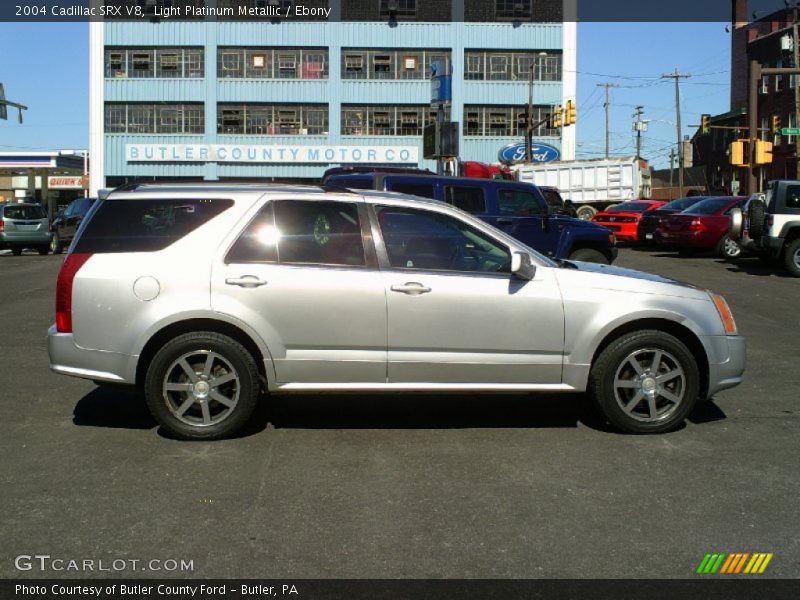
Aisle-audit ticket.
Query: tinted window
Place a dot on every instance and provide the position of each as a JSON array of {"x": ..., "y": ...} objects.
[
  {"x": 518, "y": 203},
  {"x": 553, "y": 199},
  {"x": 415, "y": 189},
  {"x": 682, "y": 203},
  {"x": 425, "y": 240},
  {"x": 630, "y": 207},
  {"x": 84, "y": 205},
  {"x": 25, "y": 211},
  {"x": 793, "y": 197},
  {"x": 258, "y": 242},
  {"x": 709, "y": 206},
  {"x": 470, "y": 199},
  {"x": 145, "y": 225}
]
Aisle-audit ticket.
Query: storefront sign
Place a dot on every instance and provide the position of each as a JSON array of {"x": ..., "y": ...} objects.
[
  {"x": 65, "y": 183},
  {"x": 225, "y": 153},
  {"x": 514, "y": 153}
]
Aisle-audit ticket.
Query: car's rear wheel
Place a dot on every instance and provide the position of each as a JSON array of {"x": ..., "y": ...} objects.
[
  {"x": 202, "y": 386},
  {"x": 585, "y": 212},
  {"x": 645, "y": 382},
  {"x": 55, "y": 244},
  {"x": 589, "y": 255},
  {"x": 791, "y": 258},
  {"x": 16, "y": 251},
  {"x": 728, "y": 247},
  {"x": 43, "y": 250}
]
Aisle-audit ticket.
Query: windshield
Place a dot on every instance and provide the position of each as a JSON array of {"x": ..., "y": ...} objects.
[
  {"x": 682, "y": 203},
  {"x": 25, "y": 211},
  {"x": 708, "y": 206},
  {"x": 637, "y": 207}
]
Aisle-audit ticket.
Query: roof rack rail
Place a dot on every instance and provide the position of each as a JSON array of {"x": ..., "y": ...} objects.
[{"x": 332, "y": 187}]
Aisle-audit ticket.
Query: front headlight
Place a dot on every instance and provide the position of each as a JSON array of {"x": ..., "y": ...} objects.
[{"x": 724, "y": 313}]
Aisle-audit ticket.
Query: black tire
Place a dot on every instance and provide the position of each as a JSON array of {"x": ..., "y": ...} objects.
[
  {"x": 728, "y": 248},
  {"x": 43, "y": 250},
  {"x": 55, "y": 244},
  {"x": 192, "y": 423},
  {"x": 791, "y": 258},
  {"x": 589, "y": 255},
  {"x": 755, "y": 215},
  {"x": 614, "y": 360},
  {"x": 16, "y": 251}
]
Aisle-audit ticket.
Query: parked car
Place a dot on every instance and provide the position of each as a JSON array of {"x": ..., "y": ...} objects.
[
  {"x": 771, "y": 224},
  {"x": 24, "y": 226},
  {"x": 290, "y": 289},
  {"x": 66, "y": 223},
  {"x": 651, "y": 219},
  {"x": 623, "y": 219},
  {"x": 519, "y": 209},
  {"x": 702, "y": 227}
]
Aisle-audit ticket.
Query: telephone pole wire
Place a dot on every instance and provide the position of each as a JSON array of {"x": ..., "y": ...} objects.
[
  {"x": 606, "y": 105},
  {"x": 677, "y": 77}
]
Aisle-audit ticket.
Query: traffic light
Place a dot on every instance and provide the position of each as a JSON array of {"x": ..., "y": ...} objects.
[
  {"x": 705, "y": 124},
  {"x": 776, "y": 124},
  {"x": 738, "y": 153},
  {"x": 555, "y": 117},
  {"x": 571, "y": 115},
  {"x": 763, "y": 152}
]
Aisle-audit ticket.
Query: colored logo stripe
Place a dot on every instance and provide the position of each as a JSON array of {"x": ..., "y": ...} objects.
[{"x": 734, "y": 563}]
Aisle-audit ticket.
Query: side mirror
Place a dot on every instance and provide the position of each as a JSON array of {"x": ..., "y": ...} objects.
[
  {"x": 521, "y": 266},
  {"x": 735, "y": 227}
]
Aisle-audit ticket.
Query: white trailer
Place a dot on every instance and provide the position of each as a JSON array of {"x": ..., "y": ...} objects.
[{"x": 592, "y": 185}]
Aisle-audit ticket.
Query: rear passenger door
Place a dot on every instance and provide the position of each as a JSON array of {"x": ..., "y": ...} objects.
[{"x": 304, "y": 274}]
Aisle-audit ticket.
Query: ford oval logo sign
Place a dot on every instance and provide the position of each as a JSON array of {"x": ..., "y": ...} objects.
[{"x": 539, "y": 153}]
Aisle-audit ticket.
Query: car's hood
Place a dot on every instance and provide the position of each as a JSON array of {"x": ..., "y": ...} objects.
[
  {"x": 608, "y": 277},
  {"x": 580, "y": 223}
]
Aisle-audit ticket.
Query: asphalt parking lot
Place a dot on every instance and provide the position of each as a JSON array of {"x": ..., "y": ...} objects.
[{"x": 415, "y": 486}]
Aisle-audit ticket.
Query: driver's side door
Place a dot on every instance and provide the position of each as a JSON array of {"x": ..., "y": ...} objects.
[{"x": 455, "y": 313}]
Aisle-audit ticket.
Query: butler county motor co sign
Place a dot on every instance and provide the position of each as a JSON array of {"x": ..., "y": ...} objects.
[{"x": 269, "y": 154}]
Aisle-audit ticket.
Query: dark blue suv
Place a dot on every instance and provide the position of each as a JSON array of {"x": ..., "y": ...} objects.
[{"x": 517, "y": 208}]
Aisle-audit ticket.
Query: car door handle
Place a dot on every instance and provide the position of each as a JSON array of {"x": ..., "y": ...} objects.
[
  {"x": 412, "y": 288},
  {"x": 246, "y": 281},
  {"x": 505, "y": 221}
]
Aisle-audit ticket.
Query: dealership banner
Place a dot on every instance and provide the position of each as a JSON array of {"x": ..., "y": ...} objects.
[{"x": 227, "y": 153}]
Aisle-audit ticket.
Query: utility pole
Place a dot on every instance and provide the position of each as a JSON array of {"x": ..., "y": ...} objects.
[
  {"x": 677, "y": 77},
  {"x": 639, "y": 125},
  {"x": 529, "y": 128},
  {"x": 4, "y": 104},
  {"x": 671, "y": 169},
  {"x": 796, "y": 90},
  {"x": 606, "y": 105}
]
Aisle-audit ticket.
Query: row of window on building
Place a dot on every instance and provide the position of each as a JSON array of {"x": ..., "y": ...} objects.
[
  {"x": 312, "y": 119},
  {"x": 313, "y": 63}
]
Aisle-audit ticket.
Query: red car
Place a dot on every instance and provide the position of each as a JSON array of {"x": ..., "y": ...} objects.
[
  {"x": 623, "y": 219},
  {"x": 703, "y": 226}
]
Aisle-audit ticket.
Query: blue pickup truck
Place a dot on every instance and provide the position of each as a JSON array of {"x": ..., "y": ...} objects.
[{"x": 517, "y": 208}]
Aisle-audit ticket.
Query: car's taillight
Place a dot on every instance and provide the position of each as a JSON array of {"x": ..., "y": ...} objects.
[
  {"x": 696, "y": 225},
  {"x": 2, "y": 225},
  {"x": 770, "y": 220},
  {"x": 66, "y": 276}
]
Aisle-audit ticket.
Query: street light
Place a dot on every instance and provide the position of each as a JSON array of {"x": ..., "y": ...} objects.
[{"x": 529, "y": 136}]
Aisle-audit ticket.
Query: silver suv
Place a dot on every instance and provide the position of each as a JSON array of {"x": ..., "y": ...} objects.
[{"x": 205, "y": 296}]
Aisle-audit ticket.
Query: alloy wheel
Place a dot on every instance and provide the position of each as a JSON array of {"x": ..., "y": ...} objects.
[{"x": 649, "y": 385}]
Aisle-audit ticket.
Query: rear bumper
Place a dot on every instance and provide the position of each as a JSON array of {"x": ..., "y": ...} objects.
[
  {"x": 627, "y": 232},
  {"x": 67, "y": 358},
  {"x": 686, "y": 239},
  {"x": 727, "y": 360},
  {"x": 24, "y": 238}
]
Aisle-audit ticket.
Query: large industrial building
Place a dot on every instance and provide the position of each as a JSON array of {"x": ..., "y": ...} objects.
[{"x": 286, "y": 98}]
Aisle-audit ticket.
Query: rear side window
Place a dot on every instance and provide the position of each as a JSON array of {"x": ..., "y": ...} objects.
[
  {"x": 415, "y": 189},
  {"x": 24, "y": 212},
  {"x": 145, "y": 225},
  {"x": 302, "y": 232},
  {"x": 518, "y": 203},
  {"x": 470, "y": 199},
  {"x": 793, "y": 197},
  {"x": 553, "y": 199}
]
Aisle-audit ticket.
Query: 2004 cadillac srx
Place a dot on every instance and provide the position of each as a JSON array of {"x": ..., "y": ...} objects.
[{"x": 207, "y": 295}]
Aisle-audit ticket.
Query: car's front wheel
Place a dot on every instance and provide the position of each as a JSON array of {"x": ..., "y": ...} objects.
[
  {"x": 791, "y": 258},
  {"x": 55, "y": 244},
  {"x": 202, "y": 386},
  {"x": 645, "y": 382},
  {"x": 728, "y": 247}
]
